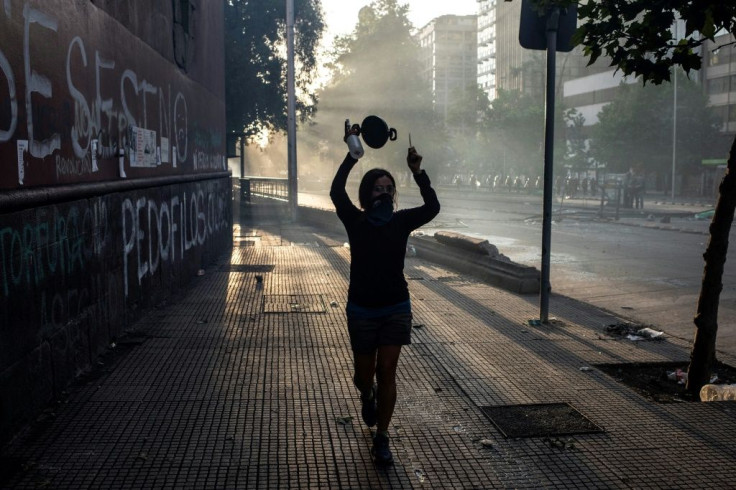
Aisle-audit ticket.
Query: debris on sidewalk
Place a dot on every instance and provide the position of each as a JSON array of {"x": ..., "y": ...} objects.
[
  {"x": 585, "y": 369},
  {"x": 421, "y": 475},
  {"x": 634, "y": 332},
  {"x": 677, "y": 375},
  {"x": 418, "y": 325},
  {"x": 558, "y": 443},
  {"x": 716, "y": 393},
  {"x": 344, "y": 420}
]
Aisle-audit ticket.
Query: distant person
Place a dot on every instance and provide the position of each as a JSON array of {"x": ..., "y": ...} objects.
[
  {"x": 637, "y": 190},
  {"x": 378, "y": 307}
]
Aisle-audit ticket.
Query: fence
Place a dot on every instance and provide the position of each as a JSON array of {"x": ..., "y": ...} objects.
[{"x": 263, "y": 187}]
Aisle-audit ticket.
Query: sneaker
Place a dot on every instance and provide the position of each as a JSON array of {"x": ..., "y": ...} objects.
[
  {"x": 369, "y": 410},
  {"x": 380, "y": 451}
]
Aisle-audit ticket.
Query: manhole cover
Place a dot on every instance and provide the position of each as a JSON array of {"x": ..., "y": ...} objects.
[
  {"x": 539, "y": 420},
  {"x": 293, "y": 303},
  {"x": 248, "y": 267}
]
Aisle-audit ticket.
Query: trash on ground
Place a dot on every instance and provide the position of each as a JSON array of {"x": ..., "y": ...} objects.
[
  {"x": 707, "y": 214},
  {"x": 200, "y": 272},
  {"x": 534, "y": 323},
  {"x": 344, "y": 420},
  {"x": 586, "y": 368},
  {"x": 418, "y": 325},
  {"x": 333, "y": 303},
  {"x": 650, "y": 333},
  {"x": 421, "y": 475},
  {"x": 717, "y": 393},
  {"x": 634, "y": 332},
  {"x": 559, "y": 443},
  {"x": 678, "y": 375},
  {"x": 411, "y": 251},
  {"x": 486, "y": 443}
]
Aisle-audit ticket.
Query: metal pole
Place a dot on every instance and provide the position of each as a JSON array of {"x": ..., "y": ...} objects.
[
  {"x": 291, "y": 108},
  {"x": 242, "y": 156},
  {"x": 674, "y": 126},
  {"x": 549, "y": 133}
]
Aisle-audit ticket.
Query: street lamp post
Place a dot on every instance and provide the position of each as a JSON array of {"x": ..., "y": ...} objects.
[
  {"x": 674, "y": 119},
  {"x": 291, "y": 110}
]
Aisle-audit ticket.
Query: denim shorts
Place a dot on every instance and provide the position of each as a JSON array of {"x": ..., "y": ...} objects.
[{"x": 367, "y": 334}]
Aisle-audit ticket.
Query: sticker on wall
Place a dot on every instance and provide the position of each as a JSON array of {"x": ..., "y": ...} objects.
[
  {"x": 164, "y": 150},
  {"x": 142, "y": 147},
  {"x": 173, "y": 156},
  {"x": 22, "y": 148},
  {"x": 94, "y": 155},
  {"x": 121, "y": 163}
]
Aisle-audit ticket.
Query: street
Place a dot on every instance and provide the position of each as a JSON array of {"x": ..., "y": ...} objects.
[{"x": 644, "y": 274}]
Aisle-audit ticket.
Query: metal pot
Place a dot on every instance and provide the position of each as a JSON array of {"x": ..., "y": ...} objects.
[{"x": 376, "y": 132}]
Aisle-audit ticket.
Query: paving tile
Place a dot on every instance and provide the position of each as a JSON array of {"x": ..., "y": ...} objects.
[{"x": 213, "y": 391}]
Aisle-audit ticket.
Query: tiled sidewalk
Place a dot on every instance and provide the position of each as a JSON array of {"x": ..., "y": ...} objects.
[{"x": 246, "y": 383}]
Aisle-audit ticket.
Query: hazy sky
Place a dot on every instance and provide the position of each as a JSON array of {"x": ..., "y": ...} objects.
[{"x": 342, "y": 15}]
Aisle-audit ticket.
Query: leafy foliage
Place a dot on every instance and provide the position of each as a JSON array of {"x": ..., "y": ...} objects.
[
  {"x": 255, "y": 57},
  {"x": 636, "y": 128},
  {"x": 376, "y": 70},
  {"x": 636, "y": 34}
]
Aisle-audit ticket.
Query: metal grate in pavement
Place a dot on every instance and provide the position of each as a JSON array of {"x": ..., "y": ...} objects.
[
  {"x": 294, "y": 303},
  {"x": 539, "y": 420}
]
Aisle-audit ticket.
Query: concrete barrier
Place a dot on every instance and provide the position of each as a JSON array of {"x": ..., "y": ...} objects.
[{"x": 461, "y": 253}]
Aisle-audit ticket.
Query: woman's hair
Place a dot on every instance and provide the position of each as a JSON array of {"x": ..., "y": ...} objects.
[{"x": 365, "y": 190}]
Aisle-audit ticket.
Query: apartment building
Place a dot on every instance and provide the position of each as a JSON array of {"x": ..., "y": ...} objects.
[{"x": 449, "y": 58}]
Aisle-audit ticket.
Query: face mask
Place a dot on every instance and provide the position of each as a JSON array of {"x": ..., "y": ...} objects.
[{"x": 381, "y": 211}]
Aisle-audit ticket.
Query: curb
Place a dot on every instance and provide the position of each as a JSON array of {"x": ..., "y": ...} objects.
[{"x": 458, "y": 252}]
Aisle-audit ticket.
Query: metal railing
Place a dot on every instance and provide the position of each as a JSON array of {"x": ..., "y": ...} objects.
[{"x": 263, "y": 187}]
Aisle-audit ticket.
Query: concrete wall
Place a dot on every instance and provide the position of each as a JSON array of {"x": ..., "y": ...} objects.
[{"x": 114, "y": 188}]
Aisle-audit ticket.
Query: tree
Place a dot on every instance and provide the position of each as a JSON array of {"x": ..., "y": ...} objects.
[
  {"x": 577, "y": 154},
  {"x": 516, "y": 124},
  {"x": 376, "y": 71},
  {"x": 635, "y": 129},
  {"x": 636, "y": 36},
  {"x": 468, "y": 115},
  {"x": 255, "y": 64}
]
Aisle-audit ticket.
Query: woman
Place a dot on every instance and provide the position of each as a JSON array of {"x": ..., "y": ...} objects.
[{"x": 378, "y": 307}]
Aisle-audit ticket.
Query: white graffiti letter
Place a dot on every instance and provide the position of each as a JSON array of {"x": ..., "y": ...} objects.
[
  {"x": 131, "y": 76},
  {"x": 128, "y": 240},
  {"x": 8, "y": 72},
  {"x": 142, "y": 264},
  {"x": 37, "y": 83},
  {"x": 102, "y": 105},
  {"x": 81, "y": 108}
]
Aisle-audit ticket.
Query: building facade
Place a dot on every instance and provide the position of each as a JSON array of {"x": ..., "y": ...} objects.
[
  {"x": 449, "y": 58},
  {"x": 114, "y": 190}
]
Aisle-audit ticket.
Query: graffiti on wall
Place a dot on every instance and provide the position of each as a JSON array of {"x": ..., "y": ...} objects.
[
  {"x": 156, "y": 231},
  {"x": 71, "y": 255},
  {"x": 76, "y": 107}
]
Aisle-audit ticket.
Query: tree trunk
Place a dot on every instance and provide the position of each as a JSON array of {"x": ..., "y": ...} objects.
[{"x": 703, "y": 354}]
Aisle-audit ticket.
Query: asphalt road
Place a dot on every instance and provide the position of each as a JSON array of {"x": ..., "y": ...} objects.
[{"x": 643, "y": 271}]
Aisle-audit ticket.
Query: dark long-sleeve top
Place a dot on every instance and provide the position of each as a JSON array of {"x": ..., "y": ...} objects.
[{"x": 377, "y": 252}]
